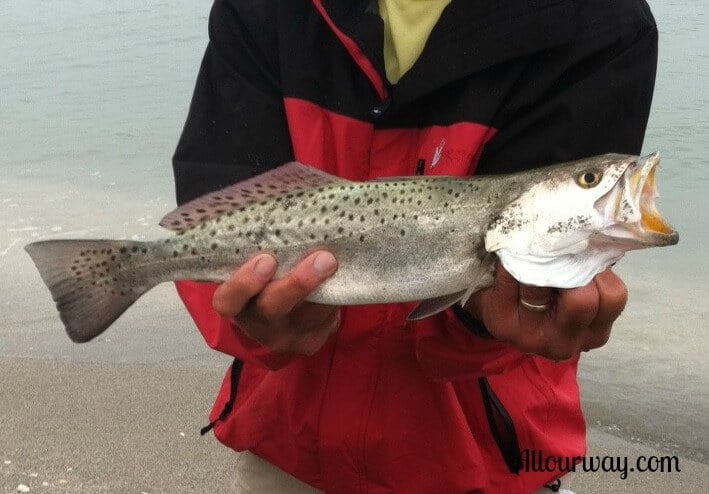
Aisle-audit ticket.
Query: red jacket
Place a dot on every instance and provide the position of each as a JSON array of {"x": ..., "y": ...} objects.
[{"x": 388, "y": 405}]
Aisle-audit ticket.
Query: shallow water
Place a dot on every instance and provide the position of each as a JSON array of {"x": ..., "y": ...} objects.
[{"x": 93, "y": 96}]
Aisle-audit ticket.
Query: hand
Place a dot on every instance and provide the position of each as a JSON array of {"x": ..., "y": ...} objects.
[
  {"x": 274, "y": 312},
  {"x": 578, "y": 319}
]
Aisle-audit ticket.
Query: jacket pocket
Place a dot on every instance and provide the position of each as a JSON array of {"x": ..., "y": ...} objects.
[{"x": 501, "y": 426}]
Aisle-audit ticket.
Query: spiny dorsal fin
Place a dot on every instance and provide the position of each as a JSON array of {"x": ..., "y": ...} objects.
[{"x": 290, "y": 178}]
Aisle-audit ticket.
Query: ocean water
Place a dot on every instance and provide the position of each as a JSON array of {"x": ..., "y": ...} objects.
[{"x": 93, "y": 96}]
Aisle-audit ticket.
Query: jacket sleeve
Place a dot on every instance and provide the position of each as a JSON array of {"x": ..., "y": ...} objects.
[
  {"x": 236, "y": 128},
  {"x": 588, "y": 97}
]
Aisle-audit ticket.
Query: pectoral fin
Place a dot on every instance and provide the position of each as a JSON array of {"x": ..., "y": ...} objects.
[{"x": 433, "y": 306}]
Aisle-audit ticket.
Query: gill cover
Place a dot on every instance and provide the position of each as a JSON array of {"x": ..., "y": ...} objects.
[{"x": 547, "y": 236}]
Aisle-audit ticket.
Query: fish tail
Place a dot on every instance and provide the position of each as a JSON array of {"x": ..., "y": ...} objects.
[{"x": 92, "y": 281}]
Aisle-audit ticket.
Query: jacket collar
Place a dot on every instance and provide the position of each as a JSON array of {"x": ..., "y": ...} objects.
[{"x": 470, "y": 36}]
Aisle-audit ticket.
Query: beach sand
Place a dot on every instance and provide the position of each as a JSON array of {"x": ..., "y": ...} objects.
[{"x": 131, "y": 428}]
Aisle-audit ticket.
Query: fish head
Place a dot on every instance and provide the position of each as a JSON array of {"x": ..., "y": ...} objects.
[{"x": 580, "y": 218}]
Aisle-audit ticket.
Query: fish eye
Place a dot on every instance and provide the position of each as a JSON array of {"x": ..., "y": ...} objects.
[{"x": 589, "y": 179}]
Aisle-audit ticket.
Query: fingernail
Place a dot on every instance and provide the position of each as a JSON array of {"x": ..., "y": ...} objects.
[
  {"x": 324, "y": 264},
  {"x": 265, "y": 266}
]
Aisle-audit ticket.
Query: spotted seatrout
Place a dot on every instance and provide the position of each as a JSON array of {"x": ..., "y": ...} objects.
[{"x": 428, "y": 239}]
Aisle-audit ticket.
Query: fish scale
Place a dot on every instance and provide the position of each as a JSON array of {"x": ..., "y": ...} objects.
[{"x": 427, "y": 239}]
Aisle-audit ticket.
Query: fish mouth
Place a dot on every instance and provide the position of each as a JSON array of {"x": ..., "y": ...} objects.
[{"x": 630, "y": 206}]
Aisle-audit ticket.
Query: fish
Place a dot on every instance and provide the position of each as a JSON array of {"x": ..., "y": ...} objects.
[{"x": 430, "y": 239}]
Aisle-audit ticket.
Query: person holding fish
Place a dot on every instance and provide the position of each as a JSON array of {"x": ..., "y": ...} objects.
[{"x": 362, "y": 398}]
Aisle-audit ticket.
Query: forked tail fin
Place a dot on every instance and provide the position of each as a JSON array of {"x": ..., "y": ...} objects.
[{"x": 92, "y": 281}]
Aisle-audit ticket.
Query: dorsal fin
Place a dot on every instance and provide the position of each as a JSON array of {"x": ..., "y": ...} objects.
[{"x": 290, "y": 178}]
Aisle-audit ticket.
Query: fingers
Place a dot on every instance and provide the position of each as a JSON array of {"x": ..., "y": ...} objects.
[
  {"x": 272, "y": 312},
  {"x": 576, "y": 308},
  {"x": 576, "y": 319},
  {"x": 613, "y": 296},
  {"x": 277, "y": 297},
  {"x": 536, "y": 295},
  {"x": 281, "y": 296},
  {"x": 233, "y": 295}
]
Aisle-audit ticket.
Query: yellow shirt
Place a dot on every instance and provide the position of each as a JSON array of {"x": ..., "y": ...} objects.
[{"x": 407, "y": 25}]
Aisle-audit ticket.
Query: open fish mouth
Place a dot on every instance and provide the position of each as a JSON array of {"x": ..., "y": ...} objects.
[{"x": 630, "y": 206}]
